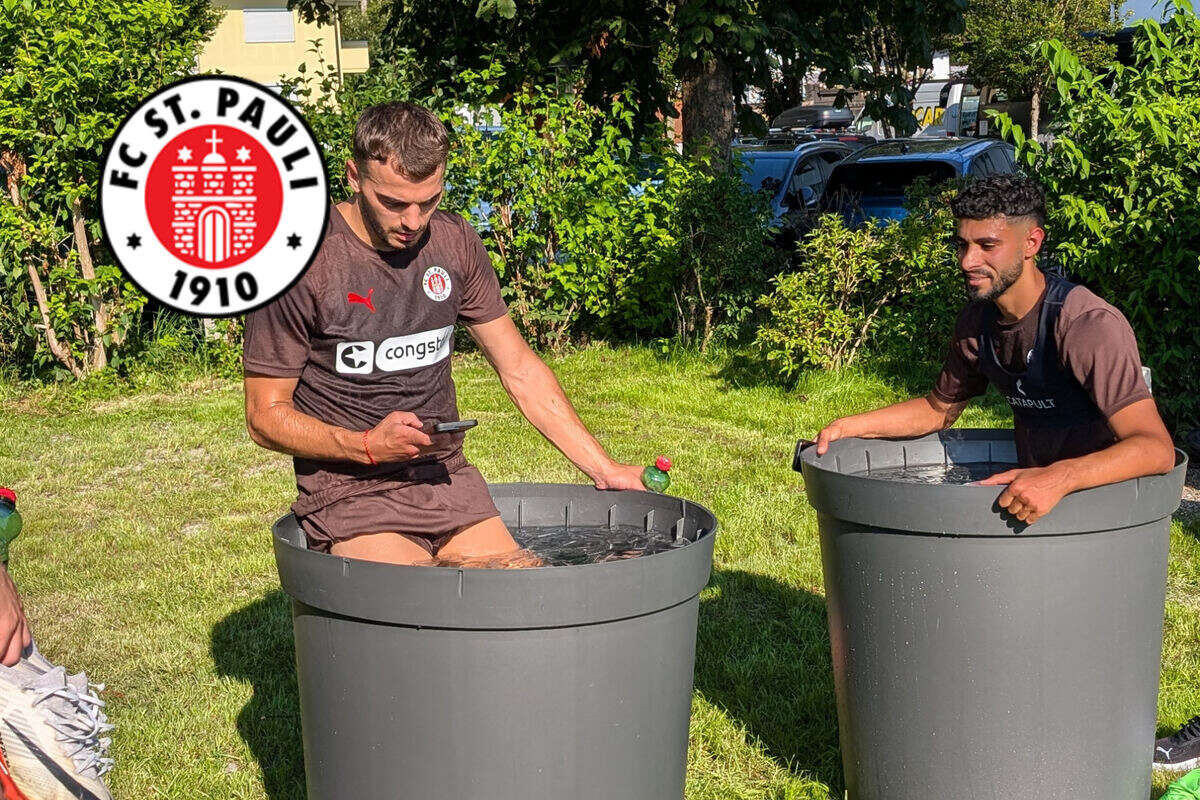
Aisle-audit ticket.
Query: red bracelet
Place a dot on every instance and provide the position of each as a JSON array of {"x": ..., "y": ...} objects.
[{"x": 367, "y": 450}]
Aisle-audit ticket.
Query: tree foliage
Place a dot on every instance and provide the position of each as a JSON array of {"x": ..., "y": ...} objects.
[
  {"x": 885, "y": 51},
  {"x": 710, "y": 52},
  {"x": 594, "y": 233},
  {"x": 1001, "y": 37},
  {"x": 1123, "y": 191},
  {"x": 70, "y": 71}
]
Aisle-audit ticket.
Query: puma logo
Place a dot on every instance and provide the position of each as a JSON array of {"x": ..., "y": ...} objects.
[
  {"x": 358, "y": 298},
  {"x": 1019, "y": 389},
  {"x": 1166, "y": 751}
]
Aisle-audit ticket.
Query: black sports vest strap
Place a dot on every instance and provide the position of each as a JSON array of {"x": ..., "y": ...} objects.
[{"x": 1044, "y": 395}]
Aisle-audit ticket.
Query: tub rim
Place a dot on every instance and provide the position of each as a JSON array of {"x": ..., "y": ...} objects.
[
  {"x": 493, "y": 599},
  {"x": 834, "y": 489}
]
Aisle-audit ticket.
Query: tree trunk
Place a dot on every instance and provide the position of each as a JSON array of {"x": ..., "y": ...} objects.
[
  {"x": 56, "y": 347},
  {"x": 14, "y": 166},
  {"x": 99, "y": 313},
  {"x": 1035, "y": 111},
  {"x": 708, "y": 107}
]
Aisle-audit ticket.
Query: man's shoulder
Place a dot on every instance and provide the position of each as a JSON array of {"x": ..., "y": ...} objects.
[
  {"x": 454, "y": 243},
  {"x": 450, "y": 224},
  {"x": 339, "y": 246},
  {"x": 1084, "y": 308},
  {"x": 1081, "y": 301}
]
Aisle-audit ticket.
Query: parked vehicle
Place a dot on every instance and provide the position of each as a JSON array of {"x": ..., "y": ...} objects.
[
  {"x": 871, "y": 183},
  {"x": 794, "y": 174},
  {"x": 793, "y": 138},
  {"x": 958, "y": 107},
  {"x": 807, "y": 117},
  {"x": 941, "y": 108}
]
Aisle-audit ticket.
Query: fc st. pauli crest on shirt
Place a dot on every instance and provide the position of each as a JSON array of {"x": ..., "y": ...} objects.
[{"x": 436, "y": 283}]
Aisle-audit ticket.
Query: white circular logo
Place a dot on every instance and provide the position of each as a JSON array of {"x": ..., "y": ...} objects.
[
  {"x": 436, "y": 283},
  {"x": 214, "y": 196}
]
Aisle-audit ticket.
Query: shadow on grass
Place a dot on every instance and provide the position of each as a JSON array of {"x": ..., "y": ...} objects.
[
  {"x": 762, "y": 656},
  {"x": 255, "y": 644},
  {"x": 744, "y": 368}
]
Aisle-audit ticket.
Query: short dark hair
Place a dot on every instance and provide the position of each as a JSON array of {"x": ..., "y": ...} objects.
[
  {"x": 407, "y": 137},
  {"x": 1001, "y": 196}
]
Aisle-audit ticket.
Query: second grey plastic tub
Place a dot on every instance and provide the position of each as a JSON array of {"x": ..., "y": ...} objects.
[
  {"x": 974, "y": 658},
  {"x": 479, "y": 684}
]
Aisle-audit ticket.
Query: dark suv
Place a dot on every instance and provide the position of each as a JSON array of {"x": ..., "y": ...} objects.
[{"x": 871, "y": 183}]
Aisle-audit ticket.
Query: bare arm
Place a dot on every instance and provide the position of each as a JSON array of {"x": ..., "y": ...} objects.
[
  {"x": 274, "y": 423},
  {"x": 538, "y": 395},
  {"x": 1143, "y": 447},
  {"x": 14, "y": 630},
  {"x": 908, "y": 419}
]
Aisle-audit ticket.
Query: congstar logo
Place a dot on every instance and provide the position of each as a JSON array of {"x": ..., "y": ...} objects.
[{"x": 396, "y": 353}]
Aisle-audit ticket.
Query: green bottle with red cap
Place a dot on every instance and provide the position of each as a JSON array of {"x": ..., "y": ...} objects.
[
  {"x": 655, "y": 477},
  {"x": 10, "y": 521}
]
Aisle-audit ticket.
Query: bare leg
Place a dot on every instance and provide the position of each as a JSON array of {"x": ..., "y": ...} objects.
[
  {"x": 485, "y": 544},
  {"x": 389, "y": 548}
]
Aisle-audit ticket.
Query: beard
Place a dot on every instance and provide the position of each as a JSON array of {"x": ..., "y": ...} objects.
[
  {"x": 380, "y": 234},
  {"x": 1005, "y": 277}
]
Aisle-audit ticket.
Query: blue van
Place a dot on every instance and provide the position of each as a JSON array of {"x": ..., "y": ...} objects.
[{"x": 871, "y": 183}]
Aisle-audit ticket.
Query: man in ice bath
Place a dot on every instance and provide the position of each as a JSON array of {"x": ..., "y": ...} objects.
[{"x": 349, "y": 370}]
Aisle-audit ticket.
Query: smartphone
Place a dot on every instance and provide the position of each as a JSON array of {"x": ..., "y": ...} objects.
[{"x": 455, "y": 427}]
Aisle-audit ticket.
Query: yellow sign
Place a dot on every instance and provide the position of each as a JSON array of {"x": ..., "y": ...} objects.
[{"x": 929, "y": 115}]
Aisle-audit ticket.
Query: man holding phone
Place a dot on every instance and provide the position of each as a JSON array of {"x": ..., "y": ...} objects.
[{"x": 349, "y": 371}]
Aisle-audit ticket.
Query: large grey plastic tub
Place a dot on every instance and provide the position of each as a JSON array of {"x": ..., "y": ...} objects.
[
  {"x": 559, "y": 683},
  {"x": 977, "y": 659}
]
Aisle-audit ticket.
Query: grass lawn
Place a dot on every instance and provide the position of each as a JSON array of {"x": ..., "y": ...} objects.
[{"x": 146, "y": 560}]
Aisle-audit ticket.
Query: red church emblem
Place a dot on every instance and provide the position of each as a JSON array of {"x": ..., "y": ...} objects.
[
  {"x": 436, "y": 283},
  {"x": 213, "y": 196}
]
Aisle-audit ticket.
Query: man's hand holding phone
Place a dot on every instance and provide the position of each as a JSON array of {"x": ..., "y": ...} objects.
[
  {"x": 398, "y": 437},
  {"x": 402, "y": 436}
]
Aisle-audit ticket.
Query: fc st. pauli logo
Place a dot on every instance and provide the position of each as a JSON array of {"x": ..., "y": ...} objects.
[{"x": 214, "y": 196}]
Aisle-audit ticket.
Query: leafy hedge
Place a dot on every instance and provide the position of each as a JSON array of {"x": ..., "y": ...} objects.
[
  {"x": 886, "y": 291},
  {"x": 1123, "y": 188},
  {"x": 70, "y": 72}
]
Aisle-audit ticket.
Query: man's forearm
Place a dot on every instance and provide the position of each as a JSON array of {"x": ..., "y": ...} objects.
[
  {"x": 537, "y": 394},
  {"x": 908, "y": 419},
  {"x": 1133, "y": 457},
  {"x": 282, "y": 428}
]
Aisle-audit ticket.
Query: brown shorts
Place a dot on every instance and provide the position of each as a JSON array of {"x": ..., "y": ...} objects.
[{"x": 426, "y": 511}]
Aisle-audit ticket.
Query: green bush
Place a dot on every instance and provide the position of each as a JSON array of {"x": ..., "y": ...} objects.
[
  {"x": 69, "y": 74},
  {"x": 1123, "y": 193},
  {"x": 886, "y": 291},
  {"x": 551, "y": 190},
  {"x": 714, "y": 259}
]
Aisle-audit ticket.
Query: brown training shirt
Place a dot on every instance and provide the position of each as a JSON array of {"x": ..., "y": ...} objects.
[
  {"x": 368, "y": 333},
  {"x": 1095, "y": 344}
]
